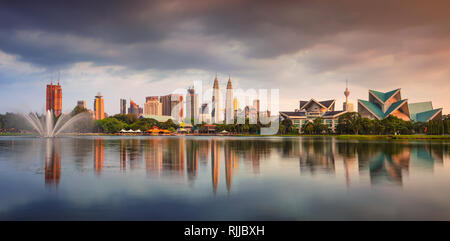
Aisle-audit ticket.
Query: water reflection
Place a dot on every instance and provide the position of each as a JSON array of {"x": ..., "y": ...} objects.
[
  {"x": 52, "y": 163},
  {"x": 188, "y": 158},
  {"x": 99, "y": 154}
]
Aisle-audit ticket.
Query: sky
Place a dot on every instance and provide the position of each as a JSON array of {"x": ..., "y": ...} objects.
[{"x": 306, "y": 49}]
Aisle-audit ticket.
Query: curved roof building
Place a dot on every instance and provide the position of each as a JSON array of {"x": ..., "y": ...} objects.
[{"x": 383, "y": 104}]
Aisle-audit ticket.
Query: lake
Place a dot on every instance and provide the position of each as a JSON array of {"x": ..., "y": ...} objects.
[{"x": 223, "y": 178}]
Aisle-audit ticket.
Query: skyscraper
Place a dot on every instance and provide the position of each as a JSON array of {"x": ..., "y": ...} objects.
[
  {"x": 134, "y": 109},
  {"x": 123, "y": 106},
  {"x": 170, "y": 102},
  {"x": 54, "y": 98},
  {"x": 215, "y": 112},
  {"x": 152, "y": 106},
  {"x": 192, "y": 105},
  {"x": 229, "y": 108},
  {"x": 99, "y": 107}
]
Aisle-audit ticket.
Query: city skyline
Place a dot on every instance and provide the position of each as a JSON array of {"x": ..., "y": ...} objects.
[{"x": 174, "y": 43}]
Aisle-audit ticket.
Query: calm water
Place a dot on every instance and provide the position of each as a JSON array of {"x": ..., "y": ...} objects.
[{"x": 222, "y": 178}]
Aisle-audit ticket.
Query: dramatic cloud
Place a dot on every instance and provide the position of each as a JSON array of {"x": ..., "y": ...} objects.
[{"x": 304, "y": 48}]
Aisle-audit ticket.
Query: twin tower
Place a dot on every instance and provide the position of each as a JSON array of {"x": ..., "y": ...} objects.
[{"x": 216, "y": 108}]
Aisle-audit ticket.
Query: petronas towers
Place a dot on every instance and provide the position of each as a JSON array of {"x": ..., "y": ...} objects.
[{"x": 229, "y": 106}]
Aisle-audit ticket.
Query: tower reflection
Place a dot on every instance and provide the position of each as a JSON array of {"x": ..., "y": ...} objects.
[
  {"x": 215, "y": 162},
  {"x": 153, "y": 155},
  {"x": 52, "y": 163},
  {"x": 123, "y": 155},
  {"x": 231, "y": 163},
  {"x": 98, "y": 155},
  {"x": 192, "y": 153}
]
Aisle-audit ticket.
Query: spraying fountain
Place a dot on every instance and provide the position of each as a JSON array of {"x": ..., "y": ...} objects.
[{"x": 47, "y": 128}]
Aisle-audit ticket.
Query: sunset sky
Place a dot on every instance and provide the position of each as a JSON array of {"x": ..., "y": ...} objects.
[{"x": 306, "y": 49}]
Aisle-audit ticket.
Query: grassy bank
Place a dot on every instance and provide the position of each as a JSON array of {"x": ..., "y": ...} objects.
[
  {"x": 395, "y": 137},
  {"x": 13, "y": 134}
]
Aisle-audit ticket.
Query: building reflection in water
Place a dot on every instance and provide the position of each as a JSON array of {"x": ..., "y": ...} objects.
[
  {"x": 192, "y": 155},
  {"x": 123, "y": 155},
  {"x": 381, "y": 162},
  {"x": 134, "y": 153},
  {"x": 98, "y": 155},
  {"x": 164, "y": 156},
  {"x": 52, "y": 162},
  {"x": 317, "y": 156},
  {"x": 215, "y": 162},
  {"x": 231, "y": 164},
  {"x": 153, "y": 155}
]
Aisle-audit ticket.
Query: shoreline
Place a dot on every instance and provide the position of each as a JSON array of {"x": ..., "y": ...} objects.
[{"x": 359, "y": 137}]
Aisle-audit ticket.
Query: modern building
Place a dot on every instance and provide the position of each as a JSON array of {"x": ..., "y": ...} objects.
[
  {"x": 152, "y": 106},
  {"x": 54, "y": 98},
  {"x": 134, "y": 109},
  {"x": 423, "y": 112},
  {"x": 383, "y": 104},
  {"x": 312, "y": 109},
  {"x": 192, "y": 104},
  {"x": 204, "y": 115},
  {"x": 99, "y": 107},
  {"x": 81, "y": 104},
  {"x": 123, "y": 106},
  {"x": 215, "y": 111},
  {"x": 347, "y": 106},
  {"x": 172, "y": 102},
  {"x": 229, "y": 105},
  {"x": 235, "y": 106}
]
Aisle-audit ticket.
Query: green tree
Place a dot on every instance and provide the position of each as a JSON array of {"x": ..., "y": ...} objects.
[
  {"x": 349, "y": 123},
  {"x": 109, "y": 125},
  {"x": 318, "y": 126},
  {"x": 126, "y": 118},
  {"x": 308, "y": 128},
  {"x": 288, "y": 125},
  {"x": 77, "y": 110}
]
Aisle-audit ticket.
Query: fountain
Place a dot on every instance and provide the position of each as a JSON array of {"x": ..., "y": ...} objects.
[{"x": 47, "y": 128}]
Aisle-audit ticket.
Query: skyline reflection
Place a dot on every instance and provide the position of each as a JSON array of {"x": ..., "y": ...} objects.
[{"x": 383, "y": 162}]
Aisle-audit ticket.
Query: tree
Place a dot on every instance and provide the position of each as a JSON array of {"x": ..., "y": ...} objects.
[
  {"x": 318, "y": 126},
  {"x": 288, "y": 125},
  {"x": 126, "y": 118},
  {"x": 349, "y": 123},
  {"x": 144, "y": 124},
  {"x": 109, "y": 125},
  {"x": 308, "y": 128},
  {"x": 77, "y": 110}
]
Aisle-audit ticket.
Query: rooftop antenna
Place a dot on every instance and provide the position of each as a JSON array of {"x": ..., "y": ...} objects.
[{"x": 59, "y": 73}]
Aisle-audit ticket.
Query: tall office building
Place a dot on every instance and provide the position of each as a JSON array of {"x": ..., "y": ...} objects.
[
  {"x": 99, "y": 107},
  {"x": 192, "y": 104},
  {"x": 134, "y": 109},
  {"x": 229, "y": 108},
  {"x": 170, "y": 102},
  {"x": 54, "y": 98},
  {"x": 215, "y": 111},
  {"x": 123, "y": 106},
  {"x": 205, "y": 116},
  {"x": 152, "y": 106}
]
